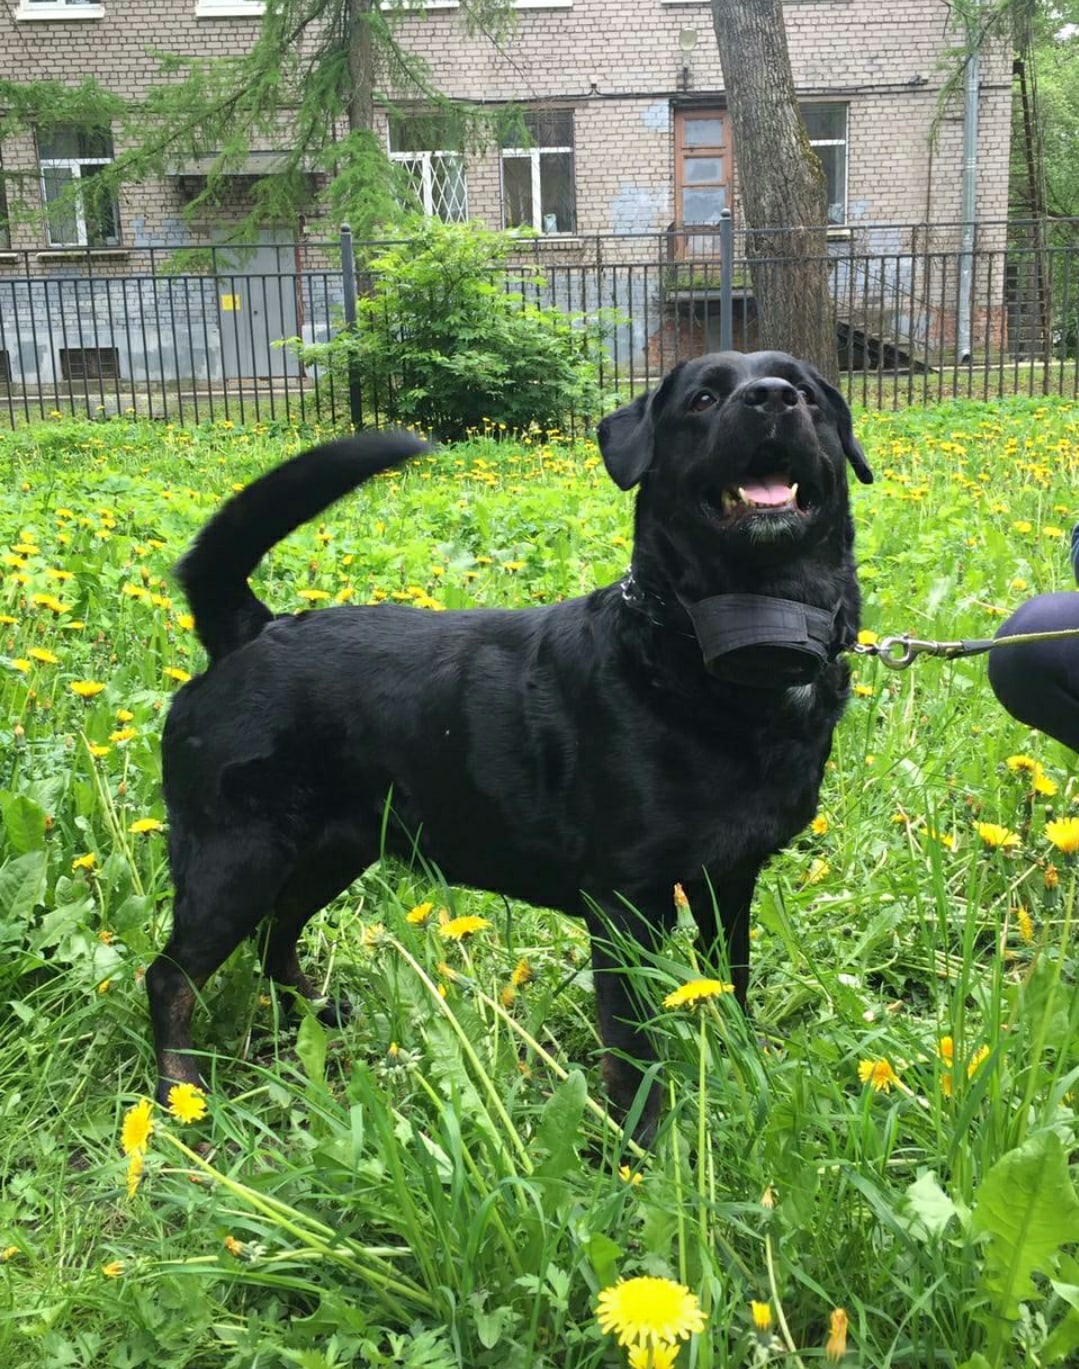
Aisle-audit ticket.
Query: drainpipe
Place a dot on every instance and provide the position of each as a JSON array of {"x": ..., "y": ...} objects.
[{"x": 968, "y": 210}]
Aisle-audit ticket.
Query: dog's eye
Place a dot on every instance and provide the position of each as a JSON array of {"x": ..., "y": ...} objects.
[
  {"x": 703, "y": 399},
  {"x": 807, "y": 392}
]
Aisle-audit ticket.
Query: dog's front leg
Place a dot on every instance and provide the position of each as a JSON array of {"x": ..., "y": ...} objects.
[
  {"x": 622, "y": 1007},
  {"x": 721, "y": 908}
]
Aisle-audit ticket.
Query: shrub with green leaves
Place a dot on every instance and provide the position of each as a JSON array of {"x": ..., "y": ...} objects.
[{"x": 451, "y": 335}]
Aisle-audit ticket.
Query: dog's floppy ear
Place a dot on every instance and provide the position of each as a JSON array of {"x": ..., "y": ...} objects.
[
  {"x": 851, "y": 446},
  {"x": 626, "y": 442}
]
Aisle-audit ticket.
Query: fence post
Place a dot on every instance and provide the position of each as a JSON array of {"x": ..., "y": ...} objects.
[
  {"x": 726, "y": 277},
  {"x": 348, "y": 285}
]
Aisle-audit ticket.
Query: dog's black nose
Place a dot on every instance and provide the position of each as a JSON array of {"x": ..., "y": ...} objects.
[{"x": 770, "y": 393}]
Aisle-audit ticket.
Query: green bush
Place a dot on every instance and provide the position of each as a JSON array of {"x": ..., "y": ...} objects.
[{"x": 449, "y": 337}]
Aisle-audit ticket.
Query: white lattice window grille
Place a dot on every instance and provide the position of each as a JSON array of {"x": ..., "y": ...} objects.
[
  {"x": 826, "y": 125},
  {"x": 538, "y": 189},
  {"x": 77, "y": 213},
  {"x": 439, "y": 183}
]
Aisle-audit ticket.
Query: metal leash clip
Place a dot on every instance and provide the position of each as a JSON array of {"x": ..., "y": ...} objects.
[{"x": 897, "y": 653}]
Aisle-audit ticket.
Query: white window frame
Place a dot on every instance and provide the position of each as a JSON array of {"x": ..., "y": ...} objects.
[
  {"x": 534, "y": 154},
  {"x": 74, "y": 165},
  {"x": 59, "y": 9},
  {"x": 843, "y": 142}
]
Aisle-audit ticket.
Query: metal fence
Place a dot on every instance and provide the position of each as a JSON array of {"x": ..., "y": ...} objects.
[{"x": 202, "y": 333}]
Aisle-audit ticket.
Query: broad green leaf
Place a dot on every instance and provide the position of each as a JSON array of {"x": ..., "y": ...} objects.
[
  {"x": 311, "y": 1048},
  {"x": 604, "y": 1255},
  {"x": 22, "y": 885},
  {"x": 24, "y": 823},
  {"x": 1028, "y": 1208},
  {"x": 927, "y": 1208},
  {"x": 559, "y": 1126},
  {"x": 1063, "y": 1341}
]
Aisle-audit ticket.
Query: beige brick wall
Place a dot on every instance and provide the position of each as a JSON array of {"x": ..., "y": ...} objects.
[{"x": 619, "y": 66}]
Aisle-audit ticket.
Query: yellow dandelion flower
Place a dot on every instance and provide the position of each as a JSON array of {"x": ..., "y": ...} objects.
[
  {"x": 946, "y": 1048},
  {"x": 1064, "y": 834},
  {"x": 123, "y": 734},
  {"x": 863, "y": 691},
  {"x": 97, "y": 751},
  {"x": 86, "y": 689},
  {"x": 135, "y": 1167},
  {"x": 836, "y": 1346},
  {"x": 1024, "y": 924},
  {"x": 419, "y": 915},
  {"x": 86, "y": 862},
  {"x": 649, "y": 1312},
  {"x": 6, "y": 620},
  {"x": 878, "y": 1074},
  {"x": 1042, "y": 784},
  {"x": 633, "y": 1177},
  {"x": 373, "y": 934},
  {"x": 104, "y": 986},
  {"x": 187, "y": 1103},
  {"x": 818, "y": 870},
  {"x": 186, "y": 621},
  {"x": 977, "y": 1060},
  {"x": 867, "y": 638},
  {"x": 652, "y": 1356},
  {"x": 522, "y": 974},
  {"x": 113, "y": 1269},
  {"x": 145, "y": 825},
  {"x": 21, "y": 664},
  {"x": 8, "y": 1253},
  {"x": 38, "y": 653},
  {"x": 996, "y": 836},
  {"x": 460, "y": 927},
  {"x": 175, "y": 673},
  {"x": 761, "y": 1313},
  {"x": 233, "y": 1246},
  {"x": 946, "y": 1083},
  {"x": 138, "y": 1127},
  {"x": 124, "y": 715},
  {"x": 696, "y": 991},
  {"x": 508, "y": 996},
  {"x": 1051, "y": 877},
  {"x": 1019, "y": 764},
  {"x": 819, "y": 826},
  {"x": 312, "y": 595}
]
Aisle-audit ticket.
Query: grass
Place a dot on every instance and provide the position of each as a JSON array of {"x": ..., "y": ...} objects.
[{"x": 437, "y": 1185}]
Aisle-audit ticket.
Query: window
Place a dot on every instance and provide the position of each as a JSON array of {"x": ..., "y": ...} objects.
[
  {"x": 537, "y": 179},
  {"x": 79, "y": 212},
  {"x": 827, "y": 129},
  {"x": 703, "y": 177},
  {"x": 59, "y": 9},
  {"x": 436, "y": 174},
  {"x": 89, "y": 363}
]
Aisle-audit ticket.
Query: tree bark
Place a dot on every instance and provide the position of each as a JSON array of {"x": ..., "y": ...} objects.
[
  {"x": 781, "y": 182},
  {"x": 362, "y": 64}
]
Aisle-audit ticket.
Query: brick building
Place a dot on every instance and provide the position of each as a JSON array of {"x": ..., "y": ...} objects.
[{"x": 627, "y": 134}]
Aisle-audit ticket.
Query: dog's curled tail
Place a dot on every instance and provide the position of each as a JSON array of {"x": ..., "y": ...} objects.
[{"x": 214, "y": 572}]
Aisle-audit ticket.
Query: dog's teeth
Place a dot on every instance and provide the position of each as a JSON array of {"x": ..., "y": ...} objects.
[
  {"x": 742, "y": 495},
  {"x": 794, "y": 493}
]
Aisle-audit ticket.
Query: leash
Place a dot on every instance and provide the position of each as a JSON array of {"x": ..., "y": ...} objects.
[{"x": 897, "y": 653}]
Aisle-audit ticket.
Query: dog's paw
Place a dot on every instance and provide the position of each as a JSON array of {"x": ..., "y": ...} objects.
[{"x": 336, "y": 1013}]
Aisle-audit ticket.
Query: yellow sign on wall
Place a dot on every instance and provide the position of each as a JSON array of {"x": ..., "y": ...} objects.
[{"x": 230, "y": 304}]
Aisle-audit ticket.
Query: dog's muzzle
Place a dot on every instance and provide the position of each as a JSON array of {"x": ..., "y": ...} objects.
[{"x": 764, "y": 643}]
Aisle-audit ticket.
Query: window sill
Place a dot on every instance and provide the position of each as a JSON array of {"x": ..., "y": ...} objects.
[
  {"x": 63, "y": 13},
  {"x": 839, "y": 233},
  {"x": 239, "y": 9},
  {"x": 79, "y": 253},
  {"x": 7, "y": 255}
]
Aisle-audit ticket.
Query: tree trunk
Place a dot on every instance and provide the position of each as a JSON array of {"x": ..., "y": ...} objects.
[
  {"x": 362, "y": 61},
  {"x": 781, "y": 182}
]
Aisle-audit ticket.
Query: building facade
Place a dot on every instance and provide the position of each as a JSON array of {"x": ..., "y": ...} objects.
[{"x": 621, "y": 147}]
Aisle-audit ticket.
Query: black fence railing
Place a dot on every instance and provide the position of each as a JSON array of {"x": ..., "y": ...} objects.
[{"x": 203, "y": 333}]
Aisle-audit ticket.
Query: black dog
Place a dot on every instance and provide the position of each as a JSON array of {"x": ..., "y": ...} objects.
[{"x": 584, "y": 756}]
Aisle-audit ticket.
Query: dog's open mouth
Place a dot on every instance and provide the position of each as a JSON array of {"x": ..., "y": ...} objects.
[{"x": 769, "y": 488}]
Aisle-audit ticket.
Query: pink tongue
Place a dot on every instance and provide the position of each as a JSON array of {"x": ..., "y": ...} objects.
[{"x": 768, "y": 491}]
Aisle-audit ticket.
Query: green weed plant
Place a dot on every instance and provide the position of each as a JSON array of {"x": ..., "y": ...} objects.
[{"x": 877, "y": 1170}]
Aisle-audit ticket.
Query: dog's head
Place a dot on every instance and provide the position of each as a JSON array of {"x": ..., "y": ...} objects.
[
  {"x": 741, "y": 462},
  {"x": 747, "y": 452}
]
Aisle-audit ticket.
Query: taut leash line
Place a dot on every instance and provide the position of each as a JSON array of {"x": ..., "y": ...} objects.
[{"x": 897, "y": 653}]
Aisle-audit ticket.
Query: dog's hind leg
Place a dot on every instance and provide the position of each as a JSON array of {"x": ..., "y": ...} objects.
[
  {"x": 223, "y": 892},
  {"x": 310, "y": 887}
]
